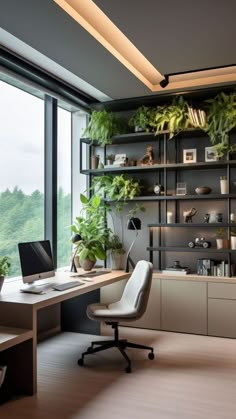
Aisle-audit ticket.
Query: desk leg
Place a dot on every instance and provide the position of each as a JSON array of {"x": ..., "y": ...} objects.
[
  {"x": 73, "y": 314},
  {"x": 22, "y": 358}
]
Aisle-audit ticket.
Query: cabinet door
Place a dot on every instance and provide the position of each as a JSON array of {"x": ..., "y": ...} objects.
[
  {"x": 151, "y": 318},
  {"x": 184, "y": 306},
  {"x": 221, "y": 317}
]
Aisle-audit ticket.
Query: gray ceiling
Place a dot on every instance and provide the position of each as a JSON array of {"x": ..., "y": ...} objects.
[{"x": 176, "y": 36}]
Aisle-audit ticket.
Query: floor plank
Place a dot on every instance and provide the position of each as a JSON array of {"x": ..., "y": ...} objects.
[{"x": 191, "y": 377}]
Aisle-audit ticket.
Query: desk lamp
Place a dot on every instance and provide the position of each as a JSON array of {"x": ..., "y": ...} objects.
[
  {"x": 133, "y": 224},
  {"x": 74, "y": 239}
]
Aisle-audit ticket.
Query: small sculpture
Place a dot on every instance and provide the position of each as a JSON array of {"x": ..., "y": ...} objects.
[
  {"x": 148, "y": 158},
  {"x": 188, "y": 215}
]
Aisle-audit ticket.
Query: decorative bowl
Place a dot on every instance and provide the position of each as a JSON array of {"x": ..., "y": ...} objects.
[{"x": 203, "y": 190}]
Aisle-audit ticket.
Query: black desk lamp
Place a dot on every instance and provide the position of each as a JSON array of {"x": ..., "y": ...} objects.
[
  {"x": 133, "y": 224},
  {"x": 75, "y": 239}
]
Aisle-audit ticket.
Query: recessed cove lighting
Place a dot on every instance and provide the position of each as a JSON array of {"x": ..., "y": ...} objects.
[{"x": 95, "y": 22}]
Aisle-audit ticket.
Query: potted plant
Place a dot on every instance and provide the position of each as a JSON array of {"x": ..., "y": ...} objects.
[
  {"x": 103, "y": 125},
  {"x": 117, "y": 252},
  {"x": 5, "y": 265},
  {"x": 110, "y": 159},
  {"x": 143, "y": 119},
  {"x": 118, "y": 188},
  {"x": 221, "y": 241},
  {"x": 220, "y": 120},
  {"x": 90, "y": 226},
  {"x": 173, "y": 117}
]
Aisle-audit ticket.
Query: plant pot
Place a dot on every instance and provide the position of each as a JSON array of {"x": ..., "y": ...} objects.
[
  {"x": 233, "y": 242},
  {"x": 117, "y": 261},
  {"x": 224, "y": 186},
  {"x": 1, "y": 282},
  {"x": 222, "y": 243},
  {"x": 87, "y": 264},
  {"x": 94, "y": 162}
]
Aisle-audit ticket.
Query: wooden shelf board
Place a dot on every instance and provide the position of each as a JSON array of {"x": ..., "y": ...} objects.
[
  {"x": 10, "y": 336},
  {"x": 188, "y": 249},
  {"x": 199, "y": 225},
  {"x": 157, "y": 167}
]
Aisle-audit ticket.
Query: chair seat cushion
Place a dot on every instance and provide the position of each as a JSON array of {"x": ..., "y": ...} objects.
[{"x": 114, "y": 312}]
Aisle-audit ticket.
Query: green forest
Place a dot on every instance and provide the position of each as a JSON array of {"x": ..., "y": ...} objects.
[{"x": 22, "y": 220}]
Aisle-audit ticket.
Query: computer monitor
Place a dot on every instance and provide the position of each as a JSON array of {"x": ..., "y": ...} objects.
[{"x": 36, "y": 260}]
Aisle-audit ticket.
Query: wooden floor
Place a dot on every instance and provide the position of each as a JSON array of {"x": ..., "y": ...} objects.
[{"x": 191, "y": 377}]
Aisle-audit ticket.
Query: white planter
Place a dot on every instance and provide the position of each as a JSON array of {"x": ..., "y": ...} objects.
[
  {"x": 223, "y": 186},
  {"x": 233, "y": 242},
  {"x": 117, "y": 261}
]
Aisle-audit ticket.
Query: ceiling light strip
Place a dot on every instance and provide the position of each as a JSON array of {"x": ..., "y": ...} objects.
[{"x": 94, "y": 21}]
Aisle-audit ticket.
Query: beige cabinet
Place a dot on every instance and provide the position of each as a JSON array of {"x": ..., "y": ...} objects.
[
  {"x": 151, "y": 318},
  {"x": 184, "y": 306},
  {"x": 222, "y": 310}
]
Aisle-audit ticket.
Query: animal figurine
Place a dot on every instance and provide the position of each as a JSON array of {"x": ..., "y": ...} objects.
[
  {"x": 188, "y": 215},
  {"x": 148, "y": 158}
]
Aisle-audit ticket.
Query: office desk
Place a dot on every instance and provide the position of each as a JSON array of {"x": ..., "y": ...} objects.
[{"x": 18, "y": 322}]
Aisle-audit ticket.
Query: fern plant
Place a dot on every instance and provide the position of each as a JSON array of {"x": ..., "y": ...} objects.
[
  {"x": 103, "y": 126},
  {"x": 220, "y": 120}
]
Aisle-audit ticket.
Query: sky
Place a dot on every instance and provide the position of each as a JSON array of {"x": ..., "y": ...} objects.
[{"x": 22, "y": 142}]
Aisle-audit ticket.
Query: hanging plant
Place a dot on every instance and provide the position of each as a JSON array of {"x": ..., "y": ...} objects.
[
  {"x": 173, "y": 117},
  {"x": 119, "y": 189},
  {"x": 103, "y": 126},
  {"x": 220, "y": 120}
]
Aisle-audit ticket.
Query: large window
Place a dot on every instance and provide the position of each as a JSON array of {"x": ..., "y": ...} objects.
[
  {"x": 27, "y": 210},
  {"x": 21, "y": 170},
  {"x": 64, "y": 188}
]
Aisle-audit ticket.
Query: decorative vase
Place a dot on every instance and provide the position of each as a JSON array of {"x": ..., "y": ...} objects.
[
  {"x": 87, "y": 264},
  {"x": 222, "y": 243},
  {"x": 223, "y": 185},
  {"x": 203, "y": 190},
  {"x": 233, "y": 242},
  {"x": 94, "y": 162},
  {"x": 1, "y": 281}
]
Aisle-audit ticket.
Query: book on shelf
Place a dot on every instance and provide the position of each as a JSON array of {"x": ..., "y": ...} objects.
[{"x": 170, "y": 271}]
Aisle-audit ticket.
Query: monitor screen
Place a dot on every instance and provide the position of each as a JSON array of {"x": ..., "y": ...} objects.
[{"x": 36, "y": 260}]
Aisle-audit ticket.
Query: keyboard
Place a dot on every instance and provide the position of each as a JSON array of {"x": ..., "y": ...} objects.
[{"x": 66, "y": 285}]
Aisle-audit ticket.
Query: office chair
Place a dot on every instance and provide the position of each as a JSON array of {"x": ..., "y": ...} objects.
[{"x": 130, "y": 307}]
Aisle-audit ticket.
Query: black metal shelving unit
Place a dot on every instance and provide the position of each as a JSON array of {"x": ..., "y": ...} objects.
[{"x": 163, "y": 170}]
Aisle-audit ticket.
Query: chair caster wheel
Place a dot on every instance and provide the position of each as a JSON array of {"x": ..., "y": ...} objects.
[
  {"x": 80, "y": 362},
  {"x": 128, "y": 369},
  {"x": 151, "y": 355}
]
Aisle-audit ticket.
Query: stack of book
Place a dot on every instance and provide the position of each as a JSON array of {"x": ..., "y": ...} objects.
[{"x": 176, "y": 271}]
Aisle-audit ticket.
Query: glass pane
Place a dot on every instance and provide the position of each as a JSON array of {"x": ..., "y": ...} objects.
[
  {"x": 21, "y": 171},
  {"x": 64, "y": 188}
]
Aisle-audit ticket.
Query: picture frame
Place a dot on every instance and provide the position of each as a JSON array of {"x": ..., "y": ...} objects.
[
  {"x": 190, "y": 155},
  {"x": 211, "y": 154}
]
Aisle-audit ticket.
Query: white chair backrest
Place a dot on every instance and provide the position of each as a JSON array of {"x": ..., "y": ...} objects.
[{"x": 137, "y": 289}]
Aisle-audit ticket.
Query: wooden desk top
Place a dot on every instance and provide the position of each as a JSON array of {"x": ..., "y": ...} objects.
[{"x": 11, "y": 291}]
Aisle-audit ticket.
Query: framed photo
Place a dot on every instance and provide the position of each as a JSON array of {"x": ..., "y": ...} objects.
[
  {"x": 210, "y": 154},
  {"x": 190, "y": 155}
]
